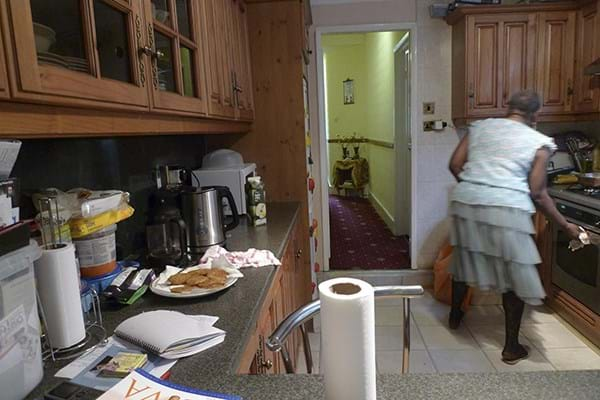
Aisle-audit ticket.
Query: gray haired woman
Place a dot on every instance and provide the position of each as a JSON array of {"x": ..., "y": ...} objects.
[{"x": 500, "y": 166}]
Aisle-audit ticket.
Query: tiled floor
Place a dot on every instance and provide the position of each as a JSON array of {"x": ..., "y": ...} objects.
[{"x": 476, "y": 346}]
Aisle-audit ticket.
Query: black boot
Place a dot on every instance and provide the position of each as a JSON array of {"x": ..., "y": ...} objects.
[
  {"x": 459, "y": 291},
  {"x": 513, "y": 351}
]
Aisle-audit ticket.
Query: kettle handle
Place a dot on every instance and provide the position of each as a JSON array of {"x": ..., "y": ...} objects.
[
  {"x": 225, "y": 192},
  {"x": 182, "y": 234}
]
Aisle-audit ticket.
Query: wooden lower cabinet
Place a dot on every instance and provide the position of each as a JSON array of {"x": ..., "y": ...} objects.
[
  {"x": 570, "y": 309},
  {"x": 282, "y": 299}
]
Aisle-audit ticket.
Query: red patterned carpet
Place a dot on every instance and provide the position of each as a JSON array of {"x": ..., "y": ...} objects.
[{"x": 361, "y": 240}]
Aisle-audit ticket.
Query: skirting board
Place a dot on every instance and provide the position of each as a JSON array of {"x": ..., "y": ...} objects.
[{"x": 383, "y": 212}]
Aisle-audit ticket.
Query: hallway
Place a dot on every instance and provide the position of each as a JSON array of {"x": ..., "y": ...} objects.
[{"x": 361, "y": 240}]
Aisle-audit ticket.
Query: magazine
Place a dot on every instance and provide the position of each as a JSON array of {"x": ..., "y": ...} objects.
[{"x": 139, "y": 385}]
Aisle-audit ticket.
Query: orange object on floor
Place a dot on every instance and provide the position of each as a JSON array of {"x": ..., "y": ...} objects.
[{"x": 442, "y": 280}]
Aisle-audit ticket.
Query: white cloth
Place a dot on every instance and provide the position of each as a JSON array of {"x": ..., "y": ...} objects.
[{"x": 217, "y": 256}]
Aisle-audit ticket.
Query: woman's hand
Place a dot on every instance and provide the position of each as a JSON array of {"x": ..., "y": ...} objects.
[{"x": 572, "y": 231}]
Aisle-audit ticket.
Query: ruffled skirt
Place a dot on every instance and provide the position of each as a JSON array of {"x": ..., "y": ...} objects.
[{"x": 494, "y": 250}]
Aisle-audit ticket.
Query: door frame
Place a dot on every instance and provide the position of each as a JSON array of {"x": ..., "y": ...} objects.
[
  {"x": 404, "y": 43},
  {"x": 415, "y": 120}
]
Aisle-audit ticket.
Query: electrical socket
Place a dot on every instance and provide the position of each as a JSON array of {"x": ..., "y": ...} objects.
[
  {"x": 429, "y": 108},
  {"x": 428, "y": 125}
]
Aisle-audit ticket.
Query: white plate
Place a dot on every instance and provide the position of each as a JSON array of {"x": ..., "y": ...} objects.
[{"x": 198, "y": 292}]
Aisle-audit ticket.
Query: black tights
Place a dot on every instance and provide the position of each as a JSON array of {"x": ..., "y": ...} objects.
[{"x": 513, "y": 312}]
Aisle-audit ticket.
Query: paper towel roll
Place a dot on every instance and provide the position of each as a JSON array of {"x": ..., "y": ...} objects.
[
  {"x": 58, "y": 286},
  {"x": 348, "y": 339}
]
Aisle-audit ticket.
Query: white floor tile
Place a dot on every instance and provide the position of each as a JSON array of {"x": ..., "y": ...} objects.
[
  {"x": 388, "y": 301},
  {"x": 535, "y": 362},
  {"x": 491, "y": 337},
  {"x": 571, "y": 359},
  {"x": 315, "y": 341},
  {"x": 538, "y": 315},
  {"x": 461, "y": 361},
  {"x": 431, "y": 315},
  {"x": 392, "y": 338},
  {"x": 483, "y": 315},
  {"x": 426, "y": 300},
  {"x": 551, "y": 336},
  {"x": 388, "y": 316},
  {"x": 390, "y": 362},
  {"x": 442, "y": 338}
]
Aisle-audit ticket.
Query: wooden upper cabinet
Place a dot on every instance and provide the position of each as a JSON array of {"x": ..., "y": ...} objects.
[
  {"x": 219, "y": 78},
  {"x": 4, "y": 90},
  {"x": 77, "y": 53},
  {"x": 175, "y": 55},
  {"x": 517, "y": 55},
  {"x": 482, "y": 65},
  {"x": 500, "y": 60},
  {"x": 242, "y": 77},
  {"x": 556, "y": 55},
  {"x": 587, "y": 49}
]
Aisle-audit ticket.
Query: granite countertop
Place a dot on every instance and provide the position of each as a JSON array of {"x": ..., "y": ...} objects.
[{"x": 238, "y": 307}]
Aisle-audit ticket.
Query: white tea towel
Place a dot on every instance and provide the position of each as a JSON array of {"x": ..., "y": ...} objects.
[{"x": 217, "y": 256}]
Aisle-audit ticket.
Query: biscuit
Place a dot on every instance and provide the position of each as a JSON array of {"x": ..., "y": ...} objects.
[{"x": 182, "y": 289}]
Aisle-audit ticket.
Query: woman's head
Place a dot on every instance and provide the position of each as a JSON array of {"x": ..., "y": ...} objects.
[{"x": 526, "y": 104}]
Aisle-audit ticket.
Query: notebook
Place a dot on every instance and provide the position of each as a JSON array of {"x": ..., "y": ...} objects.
[{"x": 170, "y": 334}]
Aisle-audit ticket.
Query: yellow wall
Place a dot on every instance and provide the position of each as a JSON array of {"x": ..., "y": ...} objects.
[{"x": 368, "y": 59}]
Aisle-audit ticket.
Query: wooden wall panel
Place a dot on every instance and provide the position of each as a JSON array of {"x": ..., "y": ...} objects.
[{"x": 276, "y": 143}]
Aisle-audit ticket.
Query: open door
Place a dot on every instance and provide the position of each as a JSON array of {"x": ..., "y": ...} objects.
[{"x": 402, "y": 124}]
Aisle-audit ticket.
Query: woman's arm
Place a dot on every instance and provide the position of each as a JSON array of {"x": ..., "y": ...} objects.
[
  {"x": 459, "y": 157},
  {"x": 539, "y": 193}
]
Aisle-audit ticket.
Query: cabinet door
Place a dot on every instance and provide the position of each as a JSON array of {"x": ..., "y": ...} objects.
[
  {"x": 556, "y": 55},
  {"x": 218, "y": 58},
  {"x": 517, "y": 55},
  {"x": 176, "y": 55},
  {"x": 4, "y": 91},
  {"x": 587, "y": 50},
  {"x": 78, "y": 52},
  {"x": 483, "y": 35},
  {"x": 242, "y": 72}
]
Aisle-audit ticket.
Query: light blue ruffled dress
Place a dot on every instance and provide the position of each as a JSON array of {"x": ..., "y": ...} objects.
[{"x": 491, "y": 211}]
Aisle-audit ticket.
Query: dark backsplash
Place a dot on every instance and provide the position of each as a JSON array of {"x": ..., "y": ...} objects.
[{"x": 106, "y": 163}]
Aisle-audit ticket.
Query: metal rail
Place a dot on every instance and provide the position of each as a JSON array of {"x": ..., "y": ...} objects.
[{"x": 276, "y": 342}]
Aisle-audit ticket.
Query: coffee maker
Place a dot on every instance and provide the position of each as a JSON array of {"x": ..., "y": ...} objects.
[{"x": 166, "y": 232}]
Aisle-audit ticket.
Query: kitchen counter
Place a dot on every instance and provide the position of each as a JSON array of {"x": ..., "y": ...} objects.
[{"x": 238, "y": 307}]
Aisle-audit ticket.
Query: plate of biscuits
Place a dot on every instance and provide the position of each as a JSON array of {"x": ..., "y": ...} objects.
[{"x": 192, "y": 282}]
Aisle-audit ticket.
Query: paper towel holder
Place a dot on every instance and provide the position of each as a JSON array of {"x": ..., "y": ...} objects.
[
  {"x": 95, "y": 333},
  {"x": 276, "y": 342}
]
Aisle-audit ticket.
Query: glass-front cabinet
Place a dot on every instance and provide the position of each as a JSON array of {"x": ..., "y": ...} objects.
[
  {"x": 79, "y": 52},
  {"x": 176, "y": 55},
  {"x": 185, "y": 57}
]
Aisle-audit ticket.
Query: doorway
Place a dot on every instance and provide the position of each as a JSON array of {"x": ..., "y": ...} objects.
[{"x": 365, "y": 101}]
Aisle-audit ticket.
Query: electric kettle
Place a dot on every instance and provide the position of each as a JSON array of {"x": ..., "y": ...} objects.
[{"x": 204, "y": 218}]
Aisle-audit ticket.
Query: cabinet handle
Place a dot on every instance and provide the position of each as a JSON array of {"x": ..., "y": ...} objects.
[
  {"x": 149, "y": 51},
  {"x": 471, "y": 95},
  {"x": 570, "y": 89},
  {"x": 299, "y": 253},
  {"x": 267, "y": 364},
  {"x": 138, "y": 36}
]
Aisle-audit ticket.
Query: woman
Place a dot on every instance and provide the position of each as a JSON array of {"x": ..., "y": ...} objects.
[{"x": 501, "y": 169}]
